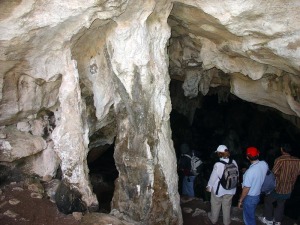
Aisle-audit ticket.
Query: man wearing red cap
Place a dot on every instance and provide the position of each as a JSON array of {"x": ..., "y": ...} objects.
[{"x": 252, "y": 182}]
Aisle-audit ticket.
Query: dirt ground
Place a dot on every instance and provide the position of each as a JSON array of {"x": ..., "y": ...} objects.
[{"x": 20, "y": 206}]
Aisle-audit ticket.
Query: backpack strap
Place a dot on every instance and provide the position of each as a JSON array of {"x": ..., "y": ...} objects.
[
  {"x": 220, "y": 161},
  {"x": 217, "y": 191},
  {"x": 230, "y": 161},
  {"x": 186, "y": 155}
]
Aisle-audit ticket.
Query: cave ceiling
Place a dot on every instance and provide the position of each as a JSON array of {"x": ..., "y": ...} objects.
[
  {"x": 207, "y": 50},
  {"x": 79, "y": 74}
]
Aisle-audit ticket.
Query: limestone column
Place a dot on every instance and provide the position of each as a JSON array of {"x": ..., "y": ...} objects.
[
  {"x": 146, "y": 190},
  {"x": 71, "y": 134}
]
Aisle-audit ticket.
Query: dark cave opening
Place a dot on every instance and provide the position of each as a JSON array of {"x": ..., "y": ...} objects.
[
  {"x": 237, "y": 124},
  {"x": 103, "y": 172}
]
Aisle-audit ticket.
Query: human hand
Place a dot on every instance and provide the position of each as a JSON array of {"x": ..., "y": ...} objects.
[{"x": 240, "y": 204}]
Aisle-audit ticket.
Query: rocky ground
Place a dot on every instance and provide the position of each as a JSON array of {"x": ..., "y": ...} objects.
[
  {"x": 22, "y": 205},
  {"x": 25, "y": 204}
]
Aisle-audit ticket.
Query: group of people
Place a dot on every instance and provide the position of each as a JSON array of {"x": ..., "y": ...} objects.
[
  {"x": 286, "y": 170},
  {"x": 187, "y": 174}
]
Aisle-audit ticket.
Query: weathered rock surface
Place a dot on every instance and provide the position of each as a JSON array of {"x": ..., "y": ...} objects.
[
  {"x": 101, "y": 69},
  {"x": 18, "y": 144}
]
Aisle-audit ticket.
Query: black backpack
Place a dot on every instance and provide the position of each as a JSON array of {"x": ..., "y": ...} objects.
[{"x": 230, "y": 176}]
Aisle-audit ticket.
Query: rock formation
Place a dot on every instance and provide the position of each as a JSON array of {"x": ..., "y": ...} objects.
[{"x": 79, "y": 74}]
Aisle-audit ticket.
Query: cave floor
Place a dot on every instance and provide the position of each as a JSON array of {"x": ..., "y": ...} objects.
[
  {"x": 194, "y": 212},
  {"x": 18, "y": 206}
]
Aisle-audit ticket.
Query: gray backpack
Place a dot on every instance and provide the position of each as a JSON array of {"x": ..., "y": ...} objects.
[
  {"x": 195, "y": 163},
  {"x": 230, "y": 176}
]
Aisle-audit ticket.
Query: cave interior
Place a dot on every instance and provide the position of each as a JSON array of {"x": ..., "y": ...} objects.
[
  {"x": 205, "y": 111},
  {"x": 233, "y": 122},
  {"x": 208, "y": 120}
]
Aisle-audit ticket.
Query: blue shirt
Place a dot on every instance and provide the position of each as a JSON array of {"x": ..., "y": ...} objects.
[{"x": 255, "y": 176}]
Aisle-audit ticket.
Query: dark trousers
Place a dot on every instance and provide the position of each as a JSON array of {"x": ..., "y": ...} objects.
[{"x": 270, "y": 209}]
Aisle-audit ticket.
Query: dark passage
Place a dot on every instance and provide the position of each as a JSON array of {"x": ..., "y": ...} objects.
[
  {"x": 238, "y": 125},
  {"x": 103, "y": 173}
]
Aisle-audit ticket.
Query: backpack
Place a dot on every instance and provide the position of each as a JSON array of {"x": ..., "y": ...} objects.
[
  {"x": 269, "y": 183},
  {"x": 195, "y": 163},
  {"x": 230, "y": 176}
]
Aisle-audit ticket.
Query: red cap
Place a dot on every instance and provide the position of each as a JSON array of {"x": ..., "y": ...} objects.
[{"x": 252, "y": 152}]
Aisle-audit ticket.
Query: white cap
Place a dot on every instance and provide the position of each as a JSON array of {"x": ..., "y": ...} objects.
[{"x": 221, "y": 148}]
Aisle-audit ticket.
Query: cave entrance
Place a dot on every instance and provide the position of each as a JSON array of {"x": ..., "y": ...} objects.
[
  {"x": 103, "y": 173},
  {"x": 204, "y": 122},
  {"x": 211, "y": 115}
]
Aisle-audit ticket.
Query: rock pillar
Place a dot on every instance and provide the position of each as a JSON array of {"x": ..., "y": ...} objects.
[
  {"x": 71, "y": 135},
  {"x": 146, "y": 189}
]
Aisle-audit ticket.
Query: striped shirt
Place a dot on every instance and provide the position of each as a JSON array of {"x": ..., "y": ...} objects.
[{"x": 286, "y": 169}]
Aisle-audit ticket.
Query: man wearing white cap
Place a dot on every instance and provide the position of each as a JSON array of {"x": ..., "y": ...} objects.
[{"x": 221, "y": 196}]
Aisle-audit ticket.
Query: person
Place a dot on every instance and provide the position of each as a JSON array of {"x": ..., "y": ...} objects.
[
  {"x": 253, "y": 179},
  {"x": 286, "y": 170},
  {"x": 220, "y": 196},
  {"x": 188, "y": 175},
  {"x": 183, "y": 165}
]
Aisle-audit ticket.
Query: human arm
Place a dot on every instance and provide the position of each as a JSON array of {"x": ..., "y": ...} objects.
[
  {"x": 245, "y": 191},
  {"x": 213, "y": 178},
  {"x": 246, "y": 185},
  {"x": 276, "y": 167}
]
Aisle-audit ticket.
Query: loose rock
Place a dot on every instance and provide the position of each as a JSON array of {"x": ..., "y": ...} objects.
[
  {"x": 14, "y": 201},
  {"x": 10, "y": 214}
]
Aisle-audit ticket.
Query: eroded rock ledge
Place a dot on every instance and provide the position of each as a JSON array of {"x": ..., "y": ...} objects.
[{"x": 93, "y": 66}]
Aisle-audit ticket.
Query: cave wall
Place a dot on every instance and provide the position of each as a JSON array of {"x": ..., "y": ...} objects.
[
  {"x": 110, "y": 52},
  {"x": 102, "y": 70},
  {"x": 144, "y": 155}
]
